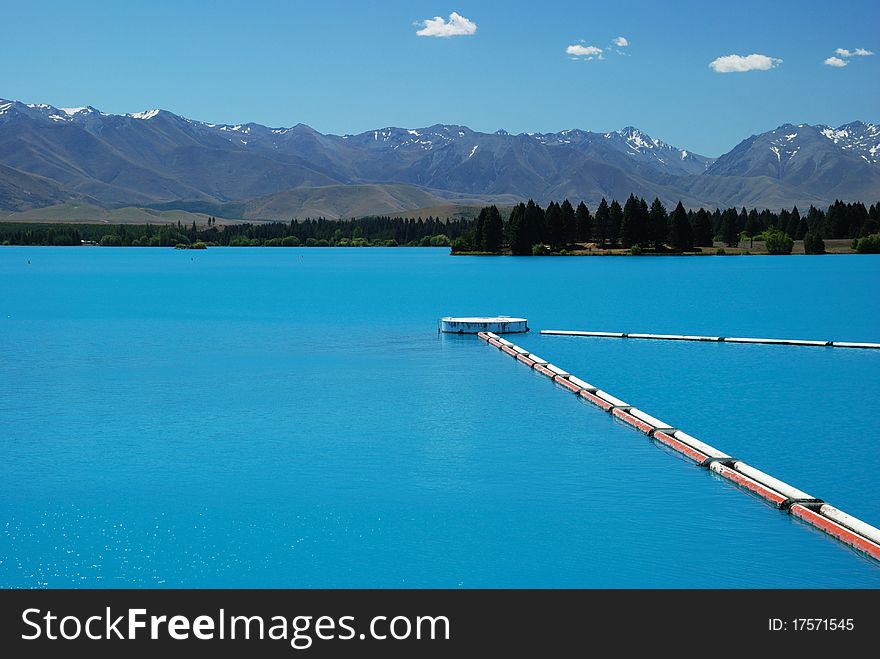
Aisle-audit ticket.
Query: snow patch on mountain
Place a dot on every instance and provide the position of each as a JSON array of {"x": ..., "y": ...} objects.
[
  {"x": 783, "y": 148},
  {"x": 861, "y": 138},
  {"x": 145, "y": 115}
]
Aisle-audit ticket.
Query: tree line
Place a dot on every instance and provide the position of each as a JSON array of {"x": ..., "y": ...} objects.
[
  {"x": 320, "y": 232},
  {"x": 635, "y": 225},
  {"x": 528, "y": 229}
]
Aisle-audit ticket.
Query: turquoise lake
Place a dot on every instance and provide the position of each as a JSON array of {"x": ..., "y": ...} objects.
[{"x": 257, "y": 417}]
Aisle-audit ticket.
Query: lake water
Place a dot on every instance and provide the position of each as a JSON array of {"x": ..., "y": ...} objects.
[{"x": 291, "y": 418}]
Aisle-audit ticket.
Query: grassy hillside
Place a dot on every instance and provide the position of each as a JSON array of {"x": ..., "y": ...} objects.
[
  {"x": 346, "y": 201},
  {"x": 21, "y": 191},
  {"x": 89, "y": 214},
  {"x": 337, "y": 201}
]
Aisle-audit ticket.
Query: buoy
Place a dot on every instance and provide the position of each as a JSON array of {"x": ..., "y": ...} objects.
[
  {"x": 583, "y": 385},
  {"x": 594, "y": 399},
  {"x": 558, "y": 370},
  {"x": 615, "y": 335},
  {"x": 612, "y": 400},
  {"x": 836, "y": 530},
  {"x": 681, "y": 447},
  {"x": 857, "y": 525},
  {"x": 702, "y": 447},
  {"x": 568, "y": 384},
  {"x": 657, "y": 424},
  {"x": 747, "y": 483},
  {"x": 724, "y": 339},
  {"x": 510, "y": 351},
  {"x": 771, "y": 482},
  {"x": 832, "y": 521},
  {"x": 671, "y": 337},
  {"x": 629, "y": 419}
]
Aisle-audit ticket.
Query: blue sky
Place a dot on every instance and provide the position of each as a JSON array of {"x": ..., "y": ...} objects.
[{"x": 346, "y": 67}]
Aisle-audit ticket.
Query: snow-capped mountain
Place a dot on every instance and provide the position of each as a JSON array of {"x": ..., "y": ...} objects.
[
  {"x": 158, "y": 157},
  {"x": 827, "y": 163},
  {"x": 638, "y": 143},
  {"x": 859, "y": 138}
]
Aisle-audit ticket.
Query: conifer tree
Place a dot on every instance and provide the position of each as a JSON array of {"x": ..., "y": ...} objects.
[
  {"x": 493, "y": 230},
  {"x": 837, "y": 220},
  {"x": 729, "y": 229},
  {"x": 658, "y": 219},
  {"x": 681, "y": 236},
  {"x": 603, "y": 221},
  {"x": 858, "y": 216},
  {"x": 615, "y": 219},
  {"x": 791, "y": 225},
  {"x": 783, "y": 220},
  {"x": 555, "y": 226},
  {"x": 717, "y": 222},
  {"x": 520, "y": 237},
  {"x": 629, "y": 229},
  {"x": 584, "y": 223},
  {"x": 703, "y": 235},
  {"x": 569, "y": 222},
  {"x": 815, "y": 220},
  {"x": 645, "y": 236},
  {"x": 534, "y": 224},
  {"x": 803, "y": 227},
  {"x": 753, "y": 223},
  {"x": 479, "y": 239}
]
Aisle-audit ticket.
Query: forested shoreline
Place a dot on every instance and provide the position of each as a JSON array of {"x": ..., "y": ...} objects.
[
  {"x": 363, "y": 232},
  {"x": 560, "y": 228},
  {"x": 640, "y": 228}
]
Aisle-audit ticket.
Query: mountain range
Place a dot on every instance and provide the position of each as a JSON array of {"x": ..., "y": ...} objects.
[{"x": 51, "y": 157}]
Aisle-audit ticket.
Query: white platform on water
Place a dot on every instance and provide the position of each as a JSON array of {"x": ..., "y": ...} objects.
[{"x": 475, "y": 324}]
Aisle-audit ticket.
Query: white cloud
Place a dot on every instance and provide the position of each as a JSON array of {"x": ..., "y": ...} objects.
[
  {"x": 743, "y": 63},
  {"x": 835, "y": 61},
  {"x": 587, "y": 52},
  {"x": 622, "y": 42},
  {"x": 457, "y": 25},
  {"x": 858, "y": 52}
]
